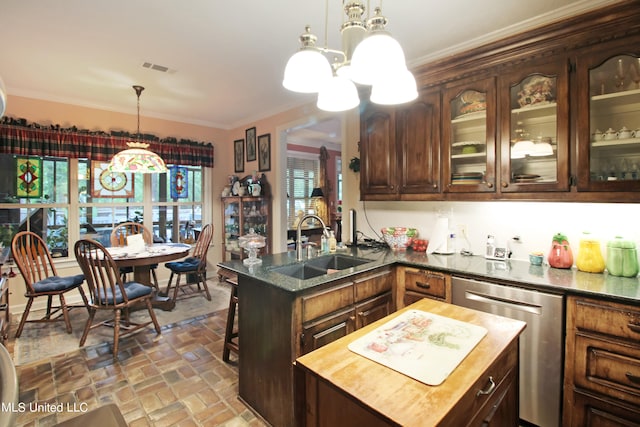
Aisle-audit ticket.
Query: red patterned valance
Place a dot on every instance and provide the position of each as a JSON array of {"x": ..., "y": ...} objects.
[{"x": 16, "y": 137}]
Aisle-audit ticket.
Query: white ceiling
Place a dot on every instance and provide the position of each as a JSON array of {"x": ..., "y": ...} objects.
[{"x": 225, "y": 58}]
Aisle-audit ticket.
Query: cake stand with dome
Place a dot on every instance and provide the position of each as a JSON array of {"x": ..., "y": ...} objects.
[{"x": 252, "y": 243}]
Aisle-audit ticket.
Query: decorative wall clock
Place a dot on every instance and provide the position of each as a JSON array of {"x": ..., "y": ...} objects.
[{"x": 106, "y": 183}]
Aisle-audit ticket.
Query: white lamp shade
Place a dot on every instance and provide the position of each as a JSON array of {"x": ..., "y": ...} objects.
[
  {"x": 377, "y": 55},
  {"x": 395, "y": 89},
  {"x": 338, "y": 94},
  {"x": 3, "y": 98},
  {"x": 306, "y": 71}
]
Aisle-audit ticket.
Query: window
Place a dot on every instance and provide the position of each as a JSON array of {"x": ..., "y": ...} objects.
[
  {"x": 302, "y": 173},
  {"x": 34, "y": 195}
]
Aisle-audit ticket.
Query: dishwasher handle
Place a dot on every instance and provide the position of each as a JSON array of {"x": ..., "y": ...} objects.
[{"x": 492, "y": 299}]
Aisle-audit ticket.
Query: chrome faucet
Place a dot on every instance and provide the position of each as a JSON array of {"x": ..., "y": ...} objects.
[{"x": 299, "y": 251}]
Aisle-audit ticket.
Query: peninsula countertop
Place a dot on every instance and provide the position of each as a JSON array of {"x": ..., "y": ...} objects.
[{"x": 510, "y": 272}]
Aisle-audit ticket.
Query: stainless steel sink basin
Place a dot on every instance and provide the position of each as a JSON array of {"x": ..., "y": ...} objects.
[
  {"x": 300, "y": 271},
  {"x": 336, "y": 262},
  {"x": 315, "y": 267}
]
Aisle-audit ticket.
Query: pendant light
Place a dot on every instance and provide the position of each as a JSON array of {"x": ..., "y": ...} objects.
[
  {"x": 369, "y": 56},
  {"x": 137, "y": 158}
]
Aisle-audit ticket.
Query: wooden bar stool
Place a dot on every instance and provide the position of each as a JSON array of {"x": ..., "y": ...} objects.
[{"x": 231, "y": 333}]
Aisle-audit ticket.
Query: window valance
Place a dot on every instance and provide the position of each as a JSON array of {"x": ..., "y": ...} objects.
[{"x": 20, "y": 138}]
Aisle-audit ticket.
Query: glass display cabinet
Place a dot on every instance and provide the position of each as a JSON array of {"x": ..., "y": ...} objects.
[
  {"x": 613, "y": 123},
  {"x": 469, "y": 137},
  {"x": 240, "y": 214},
  {"x": 535, "y": 129}
]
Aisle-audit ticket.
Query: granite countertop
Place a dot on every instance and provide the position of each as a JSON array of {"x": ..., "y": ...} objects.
[{"x": 516, "y": 273}]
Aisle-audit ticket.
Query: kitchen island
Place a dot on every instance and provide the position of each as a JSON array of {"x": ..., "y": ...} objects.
[{"x": 336, "y": 386}]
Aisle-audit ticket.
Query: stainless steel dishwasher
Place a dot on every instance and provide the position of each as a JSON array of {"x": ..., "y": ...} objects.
[{"x": 541, "y": 342}]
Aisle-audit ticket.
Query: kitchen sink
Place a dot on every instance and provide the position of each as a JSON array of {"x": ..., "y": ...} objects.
[
  {"x": 315, "y": 267},
  {"x": 336, "y": 262},
  {"x": 300, "y": 271}
]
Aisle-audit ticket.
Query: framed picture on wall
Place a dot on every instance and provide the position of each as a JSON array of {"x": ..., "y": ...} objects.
[
  {"x": 264, "y": 152},
  {"x": 250, "y": 136},
  {"x": 238, "y": 155}
]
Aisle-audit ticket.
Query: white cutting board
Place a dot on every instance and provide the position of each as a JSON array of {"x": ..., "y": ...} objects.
[{"x": 424, "y": 346}]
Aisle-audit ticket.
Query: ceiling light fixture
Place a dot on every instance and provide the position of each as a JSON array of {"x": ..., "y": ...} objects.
[
  {"x": 137, "y": 158},
  {"x": 369, "y": 56}
]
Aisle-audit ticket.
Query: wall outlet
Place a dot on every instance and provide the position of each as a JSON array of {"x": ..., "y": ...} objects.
[{"x": 462, "y": 230}]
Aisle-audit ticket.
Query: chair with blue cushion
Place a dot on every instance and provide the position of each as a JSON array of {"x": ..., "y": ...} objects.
[
  {"x": 194, "y": 266},
  {"x": 32, "y": 256},
  {"x": 107, "y": 291}
]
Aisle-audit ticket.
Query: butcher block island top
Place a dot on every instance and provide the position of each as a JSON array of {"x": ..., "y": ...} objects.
[{"x": 336, "y": 386}]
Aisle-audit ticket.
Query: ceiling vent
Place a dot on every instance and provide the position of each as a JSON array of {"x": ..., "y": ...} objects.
[{"x": 156, "y": 67}]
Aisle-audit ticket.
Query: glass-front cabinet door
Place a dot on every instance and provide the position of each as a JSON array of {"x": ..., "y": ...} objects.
[
  {"x": 231, "y": 217},
  {"x": 468, "y": 133},
  {"x": 240, "y": 215},
  {"x": 609, "y": 118},
  {"x": 534, "y": 143}
]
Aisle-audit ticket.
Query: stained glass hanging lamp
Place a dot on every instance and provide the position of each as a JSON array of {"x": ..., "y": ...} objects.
[{"x": 137, "y": 158}]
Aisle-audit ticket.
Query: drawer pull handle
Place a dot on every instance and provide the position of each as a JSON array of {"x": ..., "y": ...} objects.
[
  {"x": 635, "y": 328},
  {"x": 489, "y": 390},
  {"x": 423, "y": 285},
  {"x": 633, "y": 378}
]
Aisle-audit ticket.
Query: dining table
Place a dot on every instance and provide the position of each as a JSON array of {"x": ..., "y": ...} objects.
[{"x": 141, "y": 259}]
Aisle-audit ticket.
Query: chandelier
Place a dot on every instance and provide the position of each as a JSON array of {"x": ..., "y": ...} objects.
[
  {"x": 369, "y": 56},
  {"x": 137, "y": 158}
]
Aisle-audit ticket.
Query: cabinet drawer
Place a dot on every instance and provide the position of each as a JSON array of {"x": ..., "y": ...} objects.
[
  {"x": 372, "y": 284},
  {"x": 373, "y": 309},
  {"x": 608, "y": 318},
  {"x": 591, "y": 411},
  {"x": 426, "y": 282},
  {"x": 608, "y": 367},
  {"x": 327, "y": 301},
  {"x": 502, "y": 374}
]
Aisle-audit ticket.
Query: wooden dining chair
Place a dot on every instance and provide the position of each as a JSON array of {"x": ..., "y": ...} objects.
[
  {"x": 32, "y": 256},
  {"x": 118, "y": 238},
  {"x": 195, "y": 265},
  {"x": 107, "y": 291}
]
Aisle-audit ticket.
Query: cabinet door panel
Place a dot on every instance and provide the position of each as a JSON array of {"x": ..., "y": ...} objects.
[
  {"x": 324, "y": 302},
  {"x": 534, "y": 121},
  {"x": 418, "y": 139},
  {"x": 608, "y": 101},
  {"x": 378, "y": 165},
  {"x": 589, "y": 411},
  {"x": 469, "y": 137},
  {"x": 373, "y": 309},
  {"x": 326, "y": 330}
]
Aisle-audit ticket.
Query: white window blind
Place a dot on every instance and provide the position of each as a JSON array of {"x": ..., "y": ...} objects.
[{"x": 302, "y": 173}]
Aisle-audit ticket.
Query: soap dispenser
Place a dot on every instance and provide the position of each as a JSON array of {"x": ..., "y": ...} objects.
[{"x": 333, "y": 243}]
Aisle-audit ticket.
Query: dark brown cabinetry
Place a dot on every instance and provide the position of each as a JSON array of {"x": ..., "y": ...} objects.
[
  {"x": 568, "y": 92},
  {"x": 401, "y": 150},
  {"x": 602, "y": 368},
  {"x": 608, "y": 102},
  {"x": 279, "y": 326},
  {"x": 469, "y": 137},
  {"x": 413, "y": 284}
]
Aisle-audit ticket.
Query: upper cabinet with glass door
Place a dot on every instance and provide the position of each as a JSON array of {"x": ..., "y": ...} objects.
[
  {"x": 534, "y": 124},
  {"x": 609, "y": 146},
  {"x": 468, "y": 135}
]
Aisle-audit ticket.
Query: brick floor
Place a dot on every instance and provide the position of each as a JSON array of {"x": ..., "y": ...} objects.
[{"x": 175, "y": 379}]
